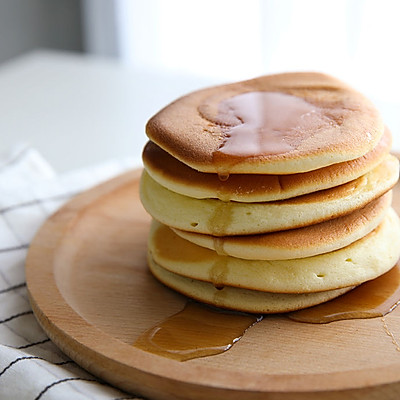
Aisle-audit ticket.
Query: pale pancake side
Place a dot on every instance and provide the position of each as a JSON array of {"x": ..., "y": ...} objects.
[
  {"x": 298, "y": 243},
  {"x": 178, "y": 177},
  {"x": 240, "y": 299},
  {"x": 190, "y": 130},
  {"x": 218, "y": 218},
  {"x": 363, "y": 260}
]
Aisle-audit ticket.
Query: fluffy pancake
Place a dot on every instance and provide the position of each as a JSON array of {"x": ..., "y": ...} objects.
[
  {"x": 218, "y": 218},
  {"x": 348, "y": 266},
  {"x": 298, "y": 243},
  {"x": 240, "y": 299},
  {"x": 325, "y": 122},
  {"x": 178, "y": 177}
]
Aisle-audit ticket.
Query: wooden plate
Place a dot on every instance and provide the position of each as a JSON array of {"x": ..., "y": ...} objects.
[{"x": 92, "y": 294}]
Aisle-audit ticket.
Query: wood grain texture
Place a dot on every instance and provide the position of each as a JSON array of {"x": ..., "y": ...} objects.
[{"x": 92, "y": 293}]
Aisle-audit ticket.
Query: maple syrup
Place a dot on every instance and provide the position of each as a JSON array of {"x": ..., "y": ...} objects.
[
  {"x": 221, "y": 218},
  {"x": 199, "y": 330},
  {"x": 223, "y": 177},
  {"x": 219, "y": 246},
  {"x": 196, "y": 331},
  {"x": 375, "y": 298},
  {"x": 219, "y": 271},
  {"x": 266, "y": 123}
]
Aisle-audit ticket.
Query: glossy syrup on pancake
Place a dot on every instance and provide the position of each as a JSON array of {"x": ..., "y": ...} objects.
[{"x": 264, "y": 123}]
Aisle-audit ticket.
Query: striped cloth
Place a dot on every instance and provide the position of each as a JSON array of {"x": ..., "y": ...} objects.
[{"x": 31, "y": 366}]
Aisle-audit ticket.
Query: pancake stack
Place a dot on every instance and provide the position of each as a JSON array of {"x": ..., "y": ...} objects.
[{"x": 270, "y": 195}]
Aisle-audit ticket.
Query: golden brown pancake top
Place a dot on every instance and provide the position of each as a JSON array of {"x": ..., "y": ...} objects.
[{"x": 280, "y": 124}]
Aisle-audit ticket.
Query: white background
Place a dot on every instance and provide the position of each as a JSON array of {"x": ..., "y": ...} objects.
[
  {"x": 227, "y": 40},
  {"x": 79, "y": 110}
]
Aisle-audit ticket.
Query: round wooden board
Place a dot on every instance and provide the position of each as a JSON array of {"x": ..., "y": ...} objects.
[{"x": 93, "y": 295}]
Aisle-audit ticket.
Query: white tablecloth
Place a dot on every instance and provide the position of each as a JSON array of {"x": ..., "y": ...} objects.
[{"x": 31, "y": 366}]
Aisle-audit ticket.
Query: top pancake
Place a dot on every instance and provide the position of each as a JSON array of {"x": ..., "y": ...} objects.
[{"x": 277, "y": 124}]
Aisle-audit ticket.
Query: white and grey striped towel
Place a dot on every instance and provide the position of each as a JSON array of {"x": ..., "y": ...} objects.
[{"x": 31, "y": 366}]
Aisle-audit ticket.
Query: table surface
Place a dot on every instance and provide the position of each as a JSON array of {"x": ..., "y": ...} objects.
[{"x": 79, "y": 110}]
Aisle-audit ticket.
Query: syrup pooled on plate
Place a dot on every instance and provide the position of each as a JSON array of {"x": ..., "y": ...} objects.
[
  {"x": 199, "y": 330},
  {"x": 196, "y": 331},
  {"x": 375, "y": 298}
]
